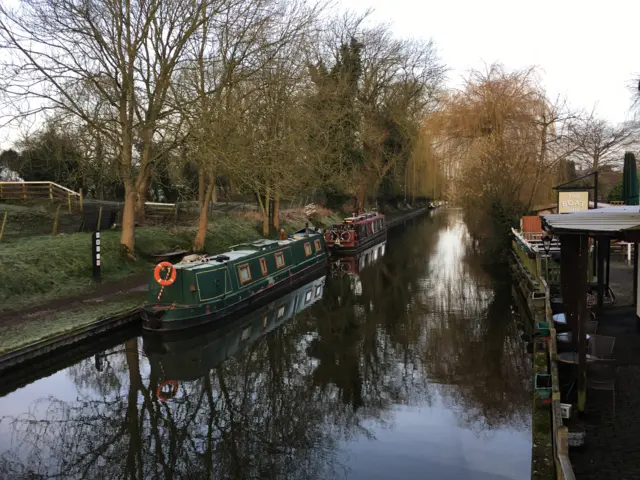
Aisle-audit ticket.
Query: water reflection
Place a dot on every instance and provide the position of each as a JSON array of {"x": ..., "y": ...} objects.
[{"x": 415, "y": 374}]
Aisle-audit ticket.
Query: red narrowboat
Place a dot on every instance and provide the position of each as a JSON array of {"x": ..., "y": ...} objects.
[{"x": 356, "y": 233}]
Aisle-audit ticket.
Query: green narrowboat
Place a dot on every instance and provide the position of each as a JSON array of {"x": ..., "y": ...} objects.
[
  {"x": 202, "y": 288},
  {"x": 186, "y": 356}
]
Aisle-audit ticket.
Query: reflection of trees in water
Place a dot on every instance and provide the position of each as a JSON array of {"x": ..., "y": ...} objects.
[
  {"x": 427, "y": 321},
  {"x": 254, "y": 416},
  {"x": 472, "y": 341}
]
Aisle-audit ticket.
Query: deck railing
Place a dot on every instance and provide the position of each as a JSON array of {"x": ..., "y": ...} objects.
[{"x": 528, "y": 247}]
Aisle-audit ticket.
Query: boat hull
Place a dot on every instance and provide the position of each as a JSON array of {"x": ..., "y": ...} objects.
[
  {"x": 179, "y": 317},
  {"x": 350, "y": 250}
]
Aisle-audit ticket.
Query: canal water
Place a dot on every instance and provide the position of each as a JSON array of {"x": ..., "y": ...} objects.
[{"x": 405, "y": 363}]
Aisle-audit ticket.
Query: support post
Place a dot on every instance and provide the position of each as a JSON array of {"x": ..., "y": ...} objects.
[
  {"x": 51, "y": 191},
  {"x": 4, "y": 223},
  {"x": 81, "y": 202},
  {"x": 95, "y": 257},
  {"x": 69, "y": 201},
  {"x": 581, "y": 303},
  {"x": 635, "y": 273},
  {"x": 56, "y": 222},
  {"x": 601, "y": 253},
  {"x": 568, "y": 276},
  {"x": 99, "y": 223},
  {"x": 608, "y": 256}
]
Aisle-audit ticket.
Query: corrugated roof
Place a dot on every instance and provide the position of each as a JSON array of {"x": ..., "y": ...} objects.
[{"x": 606, "y": 220}]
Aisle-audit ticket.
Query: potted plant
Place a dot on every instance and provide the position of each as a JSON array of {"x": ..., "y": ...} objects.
[{"x": 542, "y": 385}]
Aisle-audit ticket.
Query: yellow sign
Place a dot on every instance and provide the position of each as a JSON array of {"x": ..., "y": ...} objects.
[{"x": 573, "y": 201}]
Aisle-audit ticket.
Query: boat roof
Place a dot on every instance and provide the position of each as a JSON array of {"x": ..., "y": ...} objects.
[
  {"x": 362, "y": 217},
  {"x": 243, "y": 250}
]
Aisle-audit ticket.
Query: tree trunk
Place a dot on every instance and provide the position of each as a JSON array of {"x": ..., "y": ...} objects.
[
  {"x": 276, "y": 212},
  {"x": 265, "y": 213},
  {"x": 362, "y": 192},
  {"x": 201, "y": 235},
  {"x": 141, "y": 197},
  {"x": 128, "y": 235},
  {"x": 202, "y": 187}
]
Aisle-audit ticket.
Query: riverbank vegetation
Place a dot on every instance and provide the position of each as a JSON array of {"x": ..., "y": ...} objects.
[
  {"x": 276, "y": 102},
  {"x": 507, "y": 144},
  {"x": 270, "y": 100},
  {"x": 38, "y": 269}
]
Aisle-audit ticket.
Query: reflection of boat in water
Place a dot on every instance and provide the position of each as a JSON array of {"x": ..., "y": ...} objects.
[
  {"x": 354, "y": 264},
  {"x": 177, "y": 357}
]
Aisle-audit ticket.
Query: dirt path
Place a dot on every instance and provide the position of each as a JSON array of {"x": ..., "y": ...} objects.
[{"x": 101, "y": 293}]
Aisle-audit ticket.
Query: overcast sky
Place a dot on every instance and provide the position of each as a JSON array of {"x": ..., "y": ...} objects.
[{"x": 586, "y": 51}]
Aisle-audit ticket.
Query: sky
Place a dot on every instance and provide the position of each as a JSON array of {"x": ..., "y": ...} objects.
[{"x": 587, "y": 52}]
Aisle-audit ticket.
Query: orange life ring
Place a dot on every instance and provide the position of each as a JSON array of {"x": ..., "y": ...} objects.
[
  {"x": 165, "y": 282},
  {"x": 164, "y": 396}
]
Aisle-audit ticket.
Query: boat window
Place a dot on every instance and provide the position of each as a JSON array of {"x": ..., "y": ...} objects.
[
  {"x": 263, "y": 266},
  {"x": 318, "y": 290},
  {"x": 244, "y": 274},
  {"x": 308, "y": 296},
  {"x": 281, "y": 311},
  {"x": 279, "y": 259},
  {"x": 307, "y": 249},
  {"x": 318, "y": 245}
]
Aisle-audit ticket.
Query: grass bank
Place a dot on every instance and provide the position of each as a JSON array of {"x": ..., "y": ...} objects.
[
  {"x": 45, "y": 324},
  {"x": 38, "y": 269}
]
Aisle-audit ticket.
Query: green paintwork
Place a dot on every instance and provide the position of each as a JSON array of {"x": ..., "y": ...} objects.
[{"x": 203, "y": 288}]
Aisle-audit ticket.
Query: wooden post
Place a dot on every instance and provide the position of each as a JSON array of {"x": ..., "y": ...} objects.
[
  {"x": 601, "y": 252},
  {"x": 563, "y": 441},
  {"x": 56, "y": 222},
  {"x": 4, "y": 223},
  {"x": 69, "y": 201},
  {"x": 99, "y": 223},
  {"x": 175, "y": 213},
  {"x": 538, "y": 265},
  {"x": 80, "y": 199},
  {"x": 24, "y": 190},
  {"x": 95, "y": 256},
  {"x": 581, "y": 303},
  {"x": 51, "y": 191},
  {"x": 567, "y": 281},
  {"x": 635, "y": 273}
]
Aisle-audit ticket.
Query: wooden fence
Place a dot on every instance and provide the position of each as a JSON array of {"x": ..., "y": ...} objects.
[{"x": 40, "y": 191}]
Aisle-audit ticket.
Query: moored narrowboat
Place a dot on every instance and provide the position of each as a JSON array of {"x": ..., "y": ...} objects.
[
  {"x": 206, "y": 288},
  {"x": 356, "y": 233}
]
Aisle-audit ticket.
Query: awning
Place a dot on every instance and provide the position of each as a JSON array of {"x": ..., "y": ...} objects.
[{"x": 607, "y": 220}]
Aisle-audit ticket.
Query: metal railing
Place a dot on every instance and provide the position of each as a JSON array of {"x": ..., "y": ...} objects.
[{"x": 536, "y": 261}]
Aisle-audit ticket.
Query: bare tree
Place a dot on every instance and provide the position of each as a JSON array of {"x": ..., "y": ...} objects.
[
  {"x": 124, "y": 52},
  {"x": 596, "y": 142}
]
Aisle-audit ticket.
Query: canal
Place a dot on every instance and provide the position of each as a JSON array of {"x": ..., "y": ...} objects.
[{"x": 411, "y": 368}]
